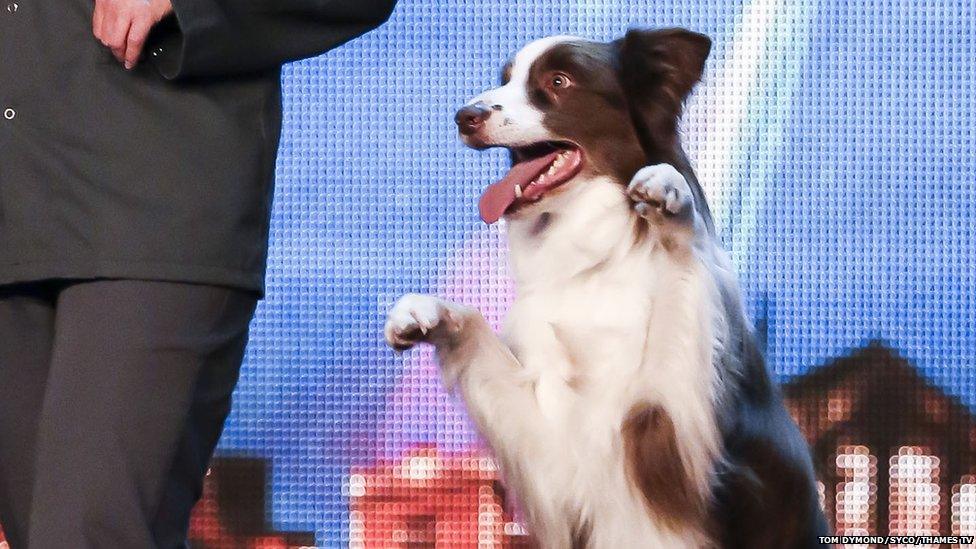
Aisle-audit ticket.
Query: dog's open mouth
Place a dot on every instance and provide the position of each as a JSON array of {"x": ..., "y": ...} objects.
[{"x": 535, "y": 170}]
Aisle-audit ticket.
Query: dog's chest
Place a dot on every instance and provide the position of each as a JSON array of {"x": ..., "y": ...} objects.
[
  {"x": 584, "y": 339},
  {"x": 586, "y": 346},
  {"x": 590, "y": 305}
]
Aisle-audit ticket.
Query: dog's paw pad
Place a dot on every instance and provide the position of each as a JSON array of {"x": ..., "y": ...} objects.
[
  {"x": 660, "y": 191},
  {"x": 412, "y": 320}
]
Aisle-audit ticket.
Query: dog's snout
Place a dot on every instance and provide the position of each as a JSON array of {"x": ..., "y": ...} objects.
[{"x": 470, "y": 118}]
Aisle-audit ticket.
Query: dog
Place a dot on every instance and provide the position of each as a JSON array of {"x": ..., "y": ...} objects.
[{"x": 627, "y": 402}]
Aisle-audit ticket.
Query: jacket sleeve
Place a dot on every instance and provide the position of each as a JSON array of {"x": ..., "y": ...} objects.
[{"x": 212, "y": 38}]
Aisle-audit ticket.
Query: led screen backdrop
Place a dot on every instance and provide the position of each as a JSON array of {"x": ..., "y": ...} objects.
[{"x": 836, "y": 142}]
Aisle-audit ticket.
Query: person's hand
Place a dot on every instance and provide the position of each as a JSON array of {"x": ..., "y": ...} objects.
[{"x": 123, "y": 25}]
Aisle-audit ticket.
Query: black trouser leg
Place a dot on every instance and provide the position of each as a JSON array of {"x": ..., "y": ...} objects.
[
  {"x": 130, "y": 360},
  {"x": 26, "y": 335},
  {"x": 184, "y": 485}
]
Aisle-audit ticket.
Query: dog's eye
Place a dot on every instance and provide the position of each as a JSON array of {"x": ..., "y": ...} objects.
[{"x": 560, "y": 81}]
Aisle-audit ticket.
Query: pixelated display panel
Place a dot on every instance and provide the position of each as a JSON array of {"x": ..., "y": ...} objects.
[{"x": 836, "y": 143}]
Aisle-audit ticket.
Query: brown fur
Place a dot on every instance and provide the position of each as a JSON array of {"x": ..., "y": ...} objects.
[
  {"x": 658, "y": 69},
  {"x": 608, "y": 138},
  {"x": 656, "y": 468}
]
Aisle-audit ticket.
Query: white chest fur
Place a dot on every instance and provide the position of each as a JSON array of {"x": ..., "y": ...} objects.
[{"x": 602, "y": 321}]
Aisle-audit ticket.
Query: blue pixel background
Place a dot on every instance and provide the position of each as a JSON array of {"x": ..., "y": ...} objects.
[{"x": 844, "y": 174}]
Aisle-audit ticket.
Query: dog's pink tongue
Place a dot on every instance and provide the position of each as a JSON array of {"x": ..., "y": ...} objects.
[{"x": 499, "y": 196}]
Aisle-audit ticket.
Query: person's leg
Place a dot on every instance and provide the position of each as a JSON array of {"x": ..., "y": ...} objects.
[
  {"x": 184, "y": 485},
  {"x": 127, "y": 356},
  {"x": 26, "y": 335}
]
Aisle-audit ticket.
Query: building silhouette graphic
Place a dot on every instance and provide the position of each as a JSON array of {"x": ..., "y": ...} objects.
[{"x": 894, "y": 453}]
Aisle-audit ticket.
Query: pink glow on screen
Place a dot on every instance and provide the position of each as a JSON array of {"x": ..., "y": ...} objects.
[{"x": 419, "y": 412}]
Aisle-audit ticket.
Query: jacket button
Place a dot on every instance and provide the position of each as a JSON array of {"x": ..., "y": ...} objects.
[
  {"x": 9, "y": 114},
  {"x": 13, "y": 7}
]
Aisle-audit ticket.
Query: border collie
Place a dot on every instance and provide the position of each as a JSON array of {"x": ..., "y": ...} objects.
[{"x": 627, "y": 402}]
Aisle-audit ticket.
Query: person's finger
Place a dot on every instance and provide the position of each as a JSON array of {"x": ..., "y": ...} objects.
[
  {"x": 109, "y": 14},
  {"x": 117, "y": 32},
  {"x": 136, "y": 40},
  {"x": 98, "y": 19}
]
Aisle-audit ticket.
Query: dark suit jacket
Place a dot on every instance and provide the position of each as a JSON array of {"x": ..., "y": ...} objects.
[{"x": 164, "y": 172}]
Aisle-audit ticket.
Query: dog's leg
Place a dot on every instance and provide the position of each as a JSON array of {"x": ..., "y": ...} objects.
[
  {"x": 663, "y": 197},
  {"x": 467, "y": 348},
  {"x": 498, "y": 393}
]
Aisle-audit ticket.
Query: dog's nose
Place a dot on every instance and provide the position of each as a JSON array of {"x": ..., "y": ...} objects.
[{"x": 470, "y": 118}]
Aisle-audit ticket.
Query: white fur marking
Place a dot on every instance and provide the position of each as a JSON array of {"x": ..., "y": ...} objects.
[{"x": 518, "y": 122}]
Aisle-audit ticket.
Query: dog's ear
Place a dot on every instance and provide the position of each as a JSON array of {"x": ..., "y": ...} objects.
[{"x": 658, "y": 69}]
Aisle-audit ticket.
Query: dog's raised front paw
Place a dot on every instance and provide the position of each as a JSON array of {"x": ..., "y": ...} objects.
[
  {"x": 660, "y": 192},
  {"x": 418, "y": 318}
]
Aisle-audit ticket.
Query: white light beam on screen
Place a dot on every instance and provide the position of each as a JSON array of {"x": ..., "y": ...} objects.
[{"x": 746, "y": 107}]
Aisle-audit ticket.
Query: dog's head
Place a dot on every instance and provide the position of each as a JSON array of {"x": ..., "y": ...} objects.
[{"x": 569, "y": 107}]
